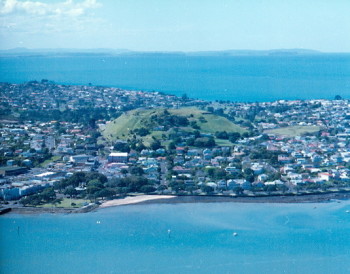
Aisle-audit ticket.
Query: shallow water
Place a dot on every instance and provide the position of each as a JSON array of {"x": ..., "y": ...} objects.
[{"x": 271, "y": 238}]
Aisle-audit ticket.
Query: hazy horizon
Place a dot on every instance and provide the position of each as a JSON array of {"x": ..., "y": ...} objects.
[
  {"x": 169, "y": 26},
  {"x": 127, "y": 51}
]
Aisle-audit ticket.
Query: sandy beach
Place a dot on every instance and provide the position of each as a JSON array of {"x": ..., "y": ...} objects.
[
  {"x": 135, "y": 200},
  {"x": 172, "y": 199}
]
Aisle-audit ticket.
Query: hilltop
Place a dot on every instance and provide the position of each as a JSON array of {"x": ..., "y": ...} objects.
[{"x": 158, "y": 122}]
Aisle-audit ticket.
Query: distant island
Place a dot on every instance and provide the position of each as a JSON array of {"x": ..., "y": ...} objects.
[
  {"x": 71, "y": 148},
  {"x": 116, "y": 52}
]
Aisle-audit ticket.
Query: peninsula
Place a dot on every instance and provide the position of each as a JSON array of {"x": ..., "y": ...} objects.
[{"x": 75, "y": 147}]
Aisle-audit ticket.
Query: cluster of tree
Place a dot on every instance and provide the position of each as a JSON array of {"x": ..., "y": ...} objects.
[
  {"x": 131, "y": 184},
  {"x": 48, "y": 195},
  {"x": 231, "y": 136},
  {"x": 122, "y": 146},
  {"x": 97, "y": 185},
  {"x": 204, "y": 142},
  {"x": 263, "y": 154},
  {"x": 80, "y": 178},
  {"x": 95, "y": 188},
  {"x": 141, "y": 131},
  {"x": 169, "y": 120},
  {"x": 86, "y": 116},
  {"x": 216, "y": 173},
  {"x": 36, "y": 159}
]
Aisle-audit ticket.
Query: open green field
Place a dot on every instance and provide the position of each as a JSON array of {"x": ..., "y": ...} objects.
[
  {"x": 294, "y": 130},
  {"x": 66, "y": 203},
  {"x": 209, "y": 123},
  {"x": 52, "y": 159}
]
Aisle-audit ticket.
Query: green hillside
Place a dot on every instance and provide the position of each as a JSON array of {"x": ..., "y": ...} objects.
[{"x": 151, "y": 119}]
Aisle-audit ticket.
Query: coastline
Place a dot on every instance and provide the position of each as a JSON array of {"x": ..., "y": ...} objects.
[{"x": 172, "y": 199}]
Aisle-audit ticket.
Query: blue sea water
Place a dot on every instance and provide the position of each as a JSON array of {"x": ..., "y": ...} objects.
[
  {"x": 272, "y": 238},
  {"x": 235, "y": 78}
]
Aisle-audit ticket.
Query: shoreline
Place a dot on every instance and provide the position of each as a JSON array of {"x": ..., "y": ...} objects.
[
  {"x": 172, "y": 199},
  {"x": 290, "y": 199}
]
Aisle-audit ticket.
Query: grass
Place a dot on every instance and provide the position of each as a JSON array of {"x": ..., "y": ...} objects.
[
  {"x": 66, "y": 203},
  {"x": 223, "y": 143},
  {"x": 120, "y": 128},
  {"x": 52, "y": 159},
  {"x": 293, "y": 130}
]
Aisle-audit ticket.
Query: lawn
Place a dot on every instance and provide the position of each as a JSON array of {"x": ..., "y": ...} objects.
[
  {"x": 66, "y": 203},
  {"x": 293, "y": 130},
  {"x": 52, "y": 159}
]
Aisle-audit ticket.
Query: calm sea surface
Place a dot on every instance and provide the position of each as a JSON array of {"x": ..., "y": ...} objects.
[
  {"x": 236, "y": 78},
  {"x": 272, "y": 238}
]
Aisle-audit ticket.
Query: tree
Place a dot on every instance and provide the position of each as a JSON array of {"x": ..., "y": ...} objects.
[
  {"x": 207, "y": 189},
  {"x": 94, "y": 186},
  {"x": 122, "y": 147},
  {"x": 48, "y": 194},
  {"x": 97, "y": 176},
  {"x": 147, "y": 189},
  {"x": 238, "y": 190},
  {"x": 270, "y": 188},
  {"x": 135, "y": 170},
  {"x": 56, "y": 201},
  {"x": 162, "y": 188},
  {"x": 25, "y": 201},
  {"x": 171, "y": 146},
  {"x": 155, "y": 145},
  {"x": 105, "y": 193},
  {"x": 142, "y": 131},
  {"x": 234, "y": 136},
  {"x": 221, "y": 135},
  {"x": 70, "y": 191}
]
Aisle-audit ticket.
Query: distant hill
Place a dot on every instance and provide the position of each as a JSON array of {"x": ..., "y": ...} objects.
[
  {"x": 256, "y": 52},
  {"x": 154, "y": 119},
  {"x": 115, "y": 52}
]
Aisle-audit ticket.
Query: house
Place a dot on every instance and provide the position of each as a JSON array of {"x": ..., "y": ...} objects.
[
  {"x": 231, "y": 184},
  {"x": 222, "y": 184},
  {"x": 181, "y": 170},
  {"x": 257, "y": 169},
  {"x": 232, "y": 170},
  {"x": 12, "y": 171},
  {"x": 325, "y": 176},
  {"x": 118, "y": 157},
  {"x": 9, "y": 193}
]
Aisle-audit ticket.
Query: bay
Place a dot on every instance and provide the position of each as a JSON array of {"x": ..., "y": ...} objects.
[
  {"x": 235, "y": 78},
  {"x": 271, "y": 238}
]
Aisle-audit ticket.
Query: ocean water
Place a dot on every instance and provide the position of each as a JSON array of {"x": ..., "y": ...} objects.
[
  {"x": 272, "y": 238},
  {"x": 235, "y": 78}
]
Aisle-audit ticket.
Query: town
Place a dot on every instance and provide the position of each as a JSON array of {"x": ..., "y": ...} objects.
[{"x": 65, "y": 145}]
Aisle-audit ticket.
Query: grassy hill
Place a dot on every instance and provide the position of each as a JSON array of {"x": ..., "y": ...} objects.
[{"x": 122, "y": 127}]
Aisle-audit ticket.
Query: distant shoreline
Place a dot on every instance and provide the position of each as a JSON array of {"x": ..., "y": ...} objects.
[{"x": 171, "y": 199}]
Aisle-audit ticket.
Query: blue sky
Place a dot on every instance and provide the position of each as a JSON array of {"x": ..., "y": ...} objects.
[{"x": 169, "y": 25}]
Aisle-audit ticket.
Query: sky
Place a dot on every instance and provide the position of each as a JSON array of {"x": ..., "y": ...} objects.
[{"x": 174, "y": 25}]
